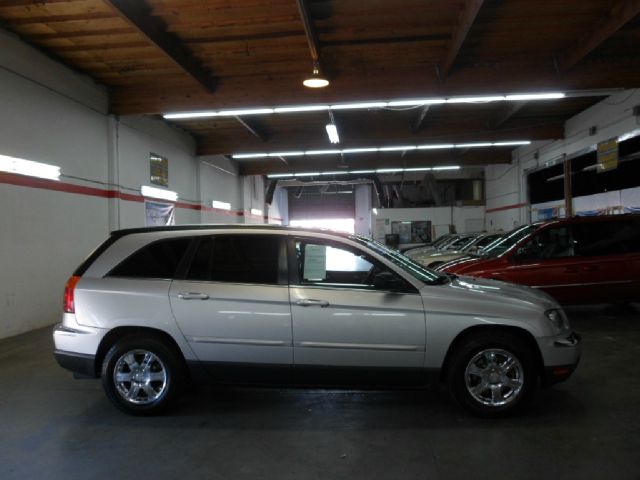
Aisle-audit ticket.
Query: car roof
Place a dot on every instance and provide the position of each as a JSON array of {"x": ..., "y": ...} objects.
[{"x": 238, "y": 227}]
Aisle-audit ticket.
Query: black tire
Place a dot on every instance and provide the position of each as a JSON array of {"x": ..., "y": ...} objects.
[
  {"x": 155, "y": 379},
  {"x": 514, "y": 386}
]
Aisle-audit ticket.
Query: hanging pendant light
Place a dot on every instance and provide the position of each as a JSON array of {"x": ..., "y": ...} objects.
[{"x": 316, "y": 80}]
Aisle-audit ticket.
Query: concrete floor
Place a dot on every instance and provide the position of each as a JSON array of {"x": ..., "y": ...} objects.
[{"x": 55, "y": 427}]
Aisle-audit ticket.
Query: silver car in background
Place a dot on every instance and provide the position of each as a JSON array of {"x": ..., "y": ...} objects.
[
  {"x": 473, "y": 245},
  {"x": 153, "y": 308}
]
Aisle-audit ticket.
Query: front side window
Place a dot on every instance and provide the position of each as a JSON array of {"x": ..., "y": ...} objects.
[
  {"x": 614, "y": 237},
  {"x": 236, "y": 259},
  {"x": 157, "y": 260},
  {"x": 549, "y": 243}
]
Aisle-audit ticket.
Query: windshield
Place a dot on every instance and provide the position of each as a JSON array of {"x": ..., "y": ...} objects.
[
  {"x": 461, "y": 243},
  {"x": 405, "y": 263},
  {"x": 505, "y": 243}
]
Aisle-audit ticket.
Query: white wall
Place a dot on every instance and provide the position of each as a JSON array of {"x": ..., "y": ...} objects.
[
  {"x": 253, "y": 198},
  {"x": 220, "y": 180},
  {"x": 52, "y": 115},
  {"x": 506, "y": 190}
]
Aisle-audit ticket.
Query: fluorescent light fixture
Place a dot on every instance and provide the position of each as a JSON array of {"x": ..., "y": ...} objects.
[
  {"x": 416, "y": 103},
  {"x": 397, "y": 149},
  {"x": 375, "y": 211},
  {"x": 322, "y": 152},
  {"x": 256, "y": 211},
  {"x": 366, "y": 104},
  {"x": 535, "y": 96},
  {"x": 246, "y": 111},
  {"x": 301, "y": 108},
  {"x": 221, "y": 205},
  {"x": 154, "y": 192},
  {"x": 515, "y": 142},
  {"x": 473, "y": 145},
  {"x": 332, "y": 131},
  {"x": 360, "y": 150},
  {"x": 484, "y": 99},
  {"x": 382, "y": 149},
  {"x": 355, "y": 172},
  {"x": 357, "y": 106},
  {"x": 186, "y": 115},
  {"x": 435, "y": 146},
  {"x": 27, "y": 167},
  {"x": 250, "y": 155},
  {"x": 286, "y": 154}
]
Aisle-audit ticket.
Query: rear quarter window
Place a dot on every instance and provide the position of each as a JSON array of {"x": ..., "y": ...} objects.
[{"x": 156, "y": 260}]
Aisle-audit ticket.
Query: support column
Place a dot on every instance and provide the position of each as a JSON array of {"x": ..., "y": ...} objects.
[
  {"x": 568, "y": 199},
  {"x": 113, "y": 159}
]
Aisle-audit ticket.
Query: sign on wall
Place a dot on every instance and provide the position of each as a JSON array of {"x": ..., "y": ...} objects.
[
  {"x": 159, "y": 170},
  {"x": 608, "y": 155},
  {"x": 159, "y": 214}
]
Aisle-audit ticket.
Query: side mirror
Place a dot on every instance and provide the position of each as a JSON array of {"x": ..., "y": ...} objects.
[{"x": 387, "y": 281}]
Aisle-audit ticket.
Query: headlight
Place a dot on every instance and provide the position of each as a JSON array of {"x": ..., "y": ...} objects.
[{"x": 558, "y": 318}]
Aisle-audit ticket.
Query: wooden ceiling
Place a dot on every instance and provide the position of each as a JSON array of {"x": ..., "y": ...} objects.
[{"x": 161, "y": 56}]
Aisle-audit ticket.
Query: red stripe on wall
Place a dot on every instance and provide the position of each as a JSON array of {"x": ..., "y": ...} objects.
[
  {"x": 506, "y": 207},
  {"x": 54, "y": 185}
]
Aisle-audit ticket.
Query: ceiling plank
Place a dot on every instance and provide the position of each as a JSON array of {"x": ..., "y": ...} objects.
[
  {"x": 256, "y": 130},
  {"x": 467, "y": 17},
  {"x": 310, "y": 32},
  {"x": 621, "y": 13},
  {"x": 137, "y": 14}
]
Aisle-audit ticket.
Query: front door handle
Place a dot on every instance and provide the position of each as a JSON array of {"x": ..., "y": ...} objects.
[
  {"x": 310, "y": 302},
  {"x": 193, "y": 296}
]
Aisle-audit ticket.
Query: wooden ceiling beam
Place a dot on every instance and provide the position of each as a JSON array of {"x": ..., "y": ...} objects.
[
  {"x": 137, "y": 14},
  {"x": 263, "y": 90},
  {"x": 375, "y": 161},
  {"x": 310, "y": 31},
  {"x": 621, "y": 13},
  {"x": 507, "y": 113},
  {"x": 467, "y": 17},
  {"x": 254, "y": 128},
  {"x": 216, "y": 145}
]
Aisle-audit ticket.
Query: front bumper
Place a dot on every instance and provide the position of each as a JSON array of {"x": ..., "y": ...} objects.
[{"x": 560, "y": 356}]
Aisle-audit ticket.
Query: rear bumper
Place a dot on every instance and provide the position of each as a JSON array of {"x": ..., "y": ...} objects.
[{"x": 82, "y": 365}]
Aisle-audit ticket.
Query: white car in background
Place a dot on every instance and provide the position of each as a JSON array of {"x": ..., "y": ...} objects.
[{"x": 465, "y": 246}]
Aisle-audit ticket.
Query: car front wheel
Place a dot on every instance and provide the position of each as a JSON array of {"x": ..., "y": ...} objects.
[
  {"x": 141, "y": 376},
  {"x": 492, "y": 374}
]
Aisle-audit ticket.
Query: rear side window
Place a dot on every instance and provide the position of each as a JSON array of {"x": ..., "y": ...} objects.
[
  {"x": 236, "y": 259},
  {"x": 608, "y": 238},
  {"x": 156, "y": 260}
]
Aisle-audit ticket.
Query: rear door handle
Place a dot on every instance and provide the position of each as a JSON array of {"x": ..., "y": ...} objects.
[
  {"x": 310, "y": 302},
  {"x": 193, "y": 296}
]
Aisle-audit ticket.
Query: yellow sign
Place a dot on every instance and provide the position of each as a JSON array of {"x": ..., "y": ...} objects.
[{"x": 608, "y": 155}]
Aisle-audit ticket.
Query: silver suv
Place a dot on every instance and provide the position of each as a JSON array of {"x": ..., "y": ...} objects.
[{"x": 153, "y": 308}]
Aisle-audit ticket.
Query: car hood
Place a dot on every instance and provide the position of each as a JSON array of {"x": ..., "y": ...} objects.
[
  {"x": 481, "y": 296},
  {"x": 466, "y": 264}
]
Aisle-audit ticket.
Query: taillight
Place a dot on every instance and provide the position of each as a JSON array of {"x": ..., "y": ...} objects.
[{"x": 69, "y": 289}]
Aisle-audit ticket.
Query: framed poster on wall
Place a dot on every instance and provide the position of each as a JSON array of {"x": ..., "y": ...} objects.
[{"x": 159, "y": 214}]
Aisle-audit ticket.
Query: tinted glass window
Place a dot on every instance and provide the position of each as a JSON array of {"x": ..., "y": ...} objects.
[
  {"x": 157, "y": 260},
  {"x": 608, "y": 238},
  {"x": 549, "y": 243},
  {"x": 236, "y": 259}
]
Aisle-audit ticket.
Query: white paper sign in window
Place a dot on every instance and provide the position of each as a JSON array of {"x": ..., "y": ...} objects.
[{"x": 315, "y": 263}]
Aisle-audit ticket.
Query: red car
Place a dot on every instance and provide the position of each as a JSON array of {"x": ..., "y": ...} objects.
[{"x": 575, "y": 260}]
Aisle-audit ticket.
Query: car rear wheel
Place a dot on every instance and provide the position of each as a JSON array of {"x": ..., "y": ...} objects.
[
  {"x": 492, "y": 374},
  {"x": 141, "y": 375}
]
